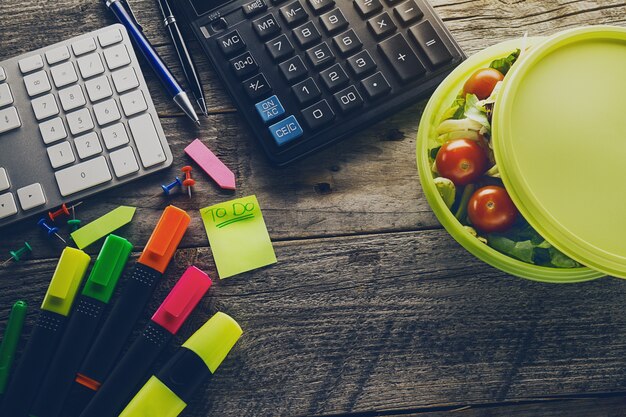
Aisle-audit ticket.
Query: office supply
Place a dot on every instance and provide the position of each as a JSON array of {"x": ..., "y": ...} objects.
[
  {"x": 187, "y": 64},
  {"x": 211, "y": 164},
  {"x": 18, "y": 254},
  {"x": 81, "y": 327},
  {"x": 74, "y": 225},
  {"x": 46, "y": 334},
  {"x": 188, "y": 181},
  {"x": 103, "y": 226},
  {"x": 10, "y": 340},
  {"x": 169, "y": 391},
  {"x": 128, "y": 308},
  {"x": 50, "y": 230},
  {"x": 63, "y": 211},
  {"x": 130, "y": 371},
  {"x": 238, "y": 236},
  {"x": 306, "y": 73},
  {"x": 167, "y": 188},
  {"x": 76, "y": 118},
  {"x": 127, "y": 18}
]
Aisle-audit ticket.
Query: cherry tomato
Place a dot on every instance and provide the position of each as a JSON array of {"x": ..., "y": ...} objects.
[
  {"x": 490, "y": 209},
  {"x": 482, "y": 82},
  {"x": 462, "y": 161}
]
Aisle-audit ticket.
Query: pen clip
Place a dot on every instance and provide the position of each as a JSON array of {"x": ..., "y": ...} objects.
[{"x": 130, "y": 11}]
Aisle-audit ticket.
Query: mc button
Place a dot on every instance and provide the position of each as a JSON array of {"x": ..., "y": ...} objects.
[{"x": 231, "y": 43}]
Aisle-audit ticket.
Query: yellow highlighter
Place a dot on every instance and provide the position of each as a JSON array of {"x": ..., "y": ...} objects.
[{"x": 167, "y": 393}]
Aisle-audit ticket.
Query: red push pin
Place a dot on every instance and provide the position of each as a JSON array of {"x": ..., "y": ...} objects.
[
  {"x": 188, "y": 182},
  {"x": 64, "y": 210}
]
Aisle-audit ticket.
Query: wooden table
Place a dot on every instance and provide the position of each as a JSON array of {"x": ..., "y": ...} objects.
[{"x": 373, "y": 309}]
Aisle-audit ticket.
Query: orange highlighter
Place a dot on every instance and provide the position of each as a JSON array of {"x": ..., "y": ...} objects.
[{"x": 127, "y": 310}]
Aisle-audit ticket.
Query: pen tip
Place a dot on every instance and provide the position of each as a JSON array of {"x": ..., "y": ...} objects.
[{"x": 198, "y": 122}]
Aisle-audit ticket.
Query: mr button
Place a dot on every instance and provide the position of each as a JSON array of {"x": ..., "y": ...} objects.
[{"x": 286, "y": 130}]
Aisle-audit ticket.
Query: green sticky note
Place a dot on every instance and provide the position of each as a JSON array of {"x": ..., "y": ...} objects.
[
  {"x": 238, "y": 236},
  {"x": 103, "y": 226}
]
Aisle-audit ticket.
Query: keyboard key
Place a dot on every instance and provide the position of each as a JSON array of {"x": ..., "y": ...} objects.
[
  {"x": 106, "y": 112},
  {"x": 98, "y": 88},
  {"x": 286, "y": 130},
  {"x": 133, "y": 103},
  {"x": 45, "y": 106},
  {"x": 430, "y": 42},
  {"x": 90, "y": 65},
  {"x": 266, "y": 26},
  {"x": 3, "y": 74},
  {"x": 30, "y": 64},
  {"x": 333, "y": 21},
  {"x": 64, "y": 74},
  {"x": 124, "y": 162},
  {"x": 320, "y": 55},
  {"x": 60, "y": 154},
  {"x": 368, "y": 7},
  {"x": 87, "y": 145},
  {"x": 307, "y": 34},
  {"x": 319, "y": 5},
  {"x": 4, "y": 180},
  {"x": 318, "y": 115},
  {"x": 83, "y": 46},
  {"x": 231, "y": 43},
  {"x": 9, "y": 119},
  {"x": 110, "y": 37},
  {"x": 334, "y": 77},
  {"x": 31, "y": 196},
  {"x": 376, "y": 85},
  {"x": 79, "y": 121},
  {"x": 115, "y": 136},
  {"x": 147, "y": 140},
  {"x": 7, "y": 205},
  {"x": 257, "y": 86},
  {"x": 254, "y": 7},
  {"x": 72, "y": 98},
  {"x": 306, "y": 91},
  {"x": 270, "y": 108},
  {"x": 244, "y": 65},
  {"x": 56, "y": 55},
  {"x": 402, "y": 58},
  {"x": 347, "y": 42},
  {"x": 279, "y": 47},
  {"x": 293, "y": 13},
  {"x": 37, "y": 83},
  {"x": 408, "y": 12},
  {"x": 361, "y": 63},
  {"x": 125, "y": 79},
  {"x": 116, "y": 56},
  {"x": 348, "y": 99},
  {"x": 6, "y": 97},
  {"x": 293, "y": 69},
  {"x": 82, "y": 176},
  {"x": 52, "y": 130},
  {"x": 381, "y": 25}
]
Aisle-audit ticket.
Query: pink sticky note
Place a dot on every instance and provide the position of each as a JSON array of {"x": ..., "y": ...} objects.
[{"x": 210, "y": 163}]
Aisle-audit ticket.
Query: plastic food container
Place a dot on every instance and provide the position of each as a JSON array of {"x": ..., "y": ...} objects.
[{"x": 559, "y": 138}]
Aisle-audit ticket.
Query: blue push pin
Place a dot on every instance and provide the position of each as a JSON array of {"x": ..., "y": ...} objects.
[
  {"x": 168, "y": 187},
  {"x": 50, "y": 230}
]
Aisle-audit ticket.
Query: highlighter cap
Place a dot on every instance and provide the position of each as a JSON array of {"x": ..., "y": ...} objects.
[
  {"x": 214, "y": 340},
  {"x": 165, "y": 238},
  {"x": 154, "y": 399},
  {"x": 107, "y": 269},
  {"x": 182, "y": 299},
  {"x": 65, "y": 281}
]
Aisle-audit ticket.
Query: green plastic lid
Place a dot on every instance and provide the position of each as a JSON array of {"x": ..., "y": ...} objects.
[{"x": 559, "y": 134}]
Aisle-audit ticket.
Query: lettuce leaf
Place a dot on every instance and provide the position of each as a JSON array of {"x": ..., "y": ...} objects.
[
  {"x": 504, "y": 64},
  {"x": 474, "y": 110}
]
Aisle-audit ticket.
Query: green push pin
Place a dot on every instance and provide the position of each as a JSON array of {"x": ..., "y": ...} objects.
[
  {"x": 17, "y": 255},
  {"x": 73, "y": 224}
]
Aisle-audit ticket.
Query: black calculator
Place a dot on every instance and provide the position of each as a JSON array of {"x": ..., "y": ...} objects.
[{"x": 306, "y": 73}]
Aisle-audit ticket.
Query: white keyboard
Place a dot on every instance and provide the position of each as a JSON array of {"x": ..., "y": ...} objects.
[{"x": 76, "y": 118}]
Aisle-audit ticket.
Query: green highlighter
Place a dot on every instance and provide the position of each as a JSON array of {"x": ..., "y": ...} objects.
[{"x": 10, "y": 340}]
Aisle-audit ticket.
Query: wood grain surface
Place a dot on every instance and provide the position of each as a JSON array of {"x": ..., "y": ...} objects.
[{"x": 372, "y": 309}]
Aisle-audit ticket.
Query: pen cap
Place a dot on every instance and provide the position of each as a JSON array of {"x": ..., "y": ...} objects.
[
  {"x": 182, "y": 299},
  {"x": 107, "y": 269},
  {"x": 165, "y": 238},
  {"x": 154, "y": 399},
  {"x": 65, "y": 281},
  {"x": 10, "y": 341}
]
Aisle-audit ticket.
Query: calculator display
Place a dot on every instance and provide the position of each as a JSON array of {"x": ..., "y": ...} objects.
[{"x": 203, "y": 6}]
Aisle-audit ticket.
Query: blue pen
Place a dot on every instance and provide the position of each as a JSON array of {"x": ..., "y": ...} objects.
[{"x": 164, "y": 74}]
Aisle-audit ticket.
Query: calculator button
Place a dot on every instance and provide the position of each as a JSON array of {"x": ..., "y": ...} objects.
[
  {"x": 307, "y": 34},
  {"x": 319, "y": 5},
  {"x": 37, "y": 83},
  {"x": 7, "y": 205},
  {"x": 402, "y": 58},
  {"x": 9, "y": 119},
  {"x": 257, "y": 86},
  {"x": 133, "y": 103},
  {"x": 116, "y": 56},
  {"x": 87, "y": 145},
  {"x": 4, "y": 180},
  {"x": 244, "y": 65},
  {"x": 361, "y": 63},
  {"x": 60, "y": 154},
  {"x": 82, "y": 176},
  {"x": 90, "y": 65},
  {"x": 286, "y": 130},
  {"x": 79, "y": 121},
  {"x": 293, "y": 69},
  {"x": 368, "y": 7},
  {"x": 348, "y": 99},
  {"x": 56, "y": 55},
  {"x": 306, "y": 91},
  {"x": 98, "y": 88},
  {"x": 30, "y": 64},
  {"x": 64, "y": 74},
  {"x": 279, "y": 47},
  {"x": 125, "y": 79},
  {"x": 293, "y": 13},
  {"x": 347, "y": 42},
  {"x": 72, "y": 98},
  {"x": 147, "y": 140},
  {"x": 277, "y": 1},
  {"x": 124, "y": 162},
  {"x": 381, "y": 25},
  {"x": 254, "y": 7},
  {"x": 31, "y": 196},
  {"x": 219, "y": 25},
  {"x": 45, "y": 106},
  {"x": 6, "y": 97},
  {"x": 266, "y": 26},
  {"x": 320, "y": 55},
  {"x": 115, "y": 136},
  {"x": 270, "y": 108},
  {"x": 428, "y": 40},
  {"x": 376, "y": 85},
  {"x": 333, "y": 21},
  {"x": 408, "y": 12},
  {"x": 3, "y": 74},
  {"x": 318, "y": 115},
  {"x": 231, "y": 43},
  {"x": 52, "y": 130},
  {"x": 83, "y": 46},
  {"x": 107, "y": 112},
  {"x": 110, "y": 37},
  {"x": 334, "y": 77}
]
